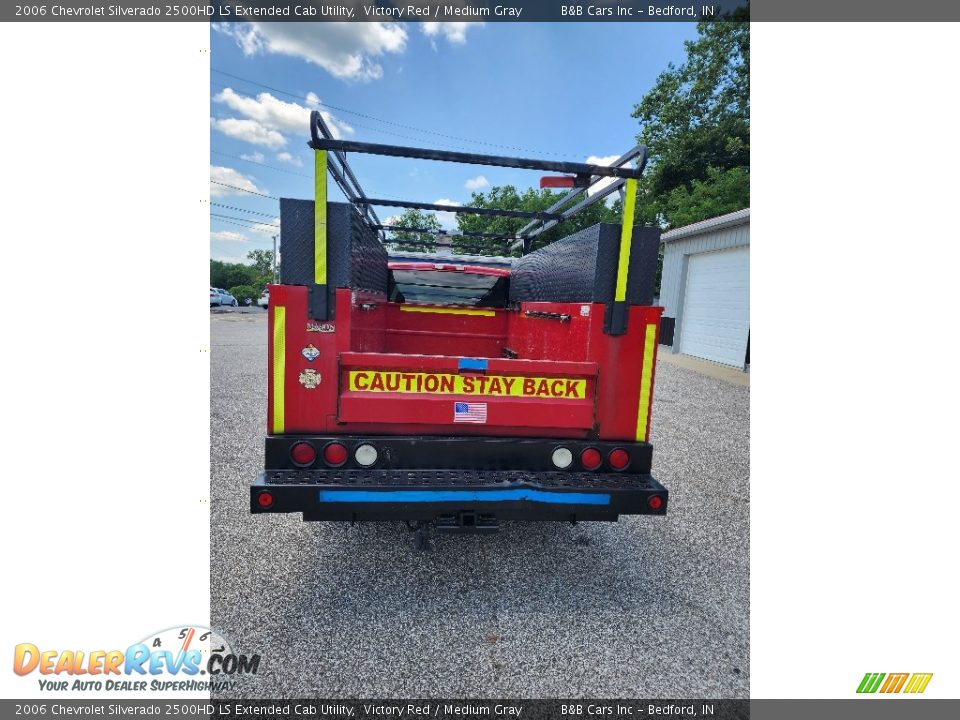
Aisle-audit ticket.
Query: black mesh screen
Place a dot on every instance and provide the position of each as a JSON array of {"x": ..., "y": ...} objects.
[{"x": 583, "y": 268}]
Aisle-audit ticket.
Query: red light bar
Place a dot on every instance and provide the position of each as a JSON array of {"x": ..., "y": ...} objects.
[
  {"x": 557, "y": 181},
  {"x": 565, "y": 181}
]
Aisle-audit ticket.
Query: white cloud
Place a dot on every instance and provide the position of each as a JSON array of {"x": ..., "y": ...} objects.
[
  {"x": 229, "y": 176},
  {"x": 267, "y": 110},
  {"x": 288, "y": 158},
  {"x": 454, "y": 32},
  {"x": 447, "y": 219},
  {"x": 229, "y": 236},
  {"x": 605, "y": 160},
  {"x": 476, "y": 183},
  {"x": 249, "y": 131},
  {"x": 392, "y": 220},
  {"x": 281, "y": 116},
  {"x": 347, "y": 50},
  {"x": 256, "y": 157}
]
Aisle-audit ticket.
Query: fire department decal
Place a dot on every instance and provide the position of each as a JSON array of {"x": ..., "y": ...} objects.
[
  {"x": 310, "y": 353},
  {"x": 323, "y": 327},
  {"x": 310, "y": 378}
]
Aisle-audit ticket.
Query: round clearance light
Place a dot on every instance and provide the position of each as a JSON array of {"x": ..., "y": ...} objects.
[
  {"x": 365, "y": 455},
  {"x": 655, "y": 502},
  {"x": 303, "y": 454},
  {"x": 334, "y": 454},
  {"x": 591, "y": 458},
  {"x": 562, "y": 458},
  {"x": 265, "y": 499},
  {"x": 618, "y": 459}
]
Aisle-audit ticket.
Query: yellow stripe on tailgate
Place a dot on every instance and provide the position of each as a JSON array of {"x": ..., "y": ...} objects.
[
  {"x": 646, "y": 380},
  {"x": 446, "y": 311},
  {"x": 279, "y": 365}
]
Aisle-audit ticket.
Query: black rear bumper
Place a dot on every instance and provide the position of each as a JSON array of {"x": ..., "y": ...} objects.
[{"x": 479, "y": 496}]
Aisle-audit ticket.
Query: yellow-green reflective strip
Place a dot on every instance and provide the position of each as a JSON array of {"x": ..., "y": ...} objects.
[
  {"x": 626, "y": 238},
  {"x": 279, "y": 364},
  {"x": 646, "y": 375},
  {"x": 446, "y": 311},
  {"x": 320, "y": 218}
]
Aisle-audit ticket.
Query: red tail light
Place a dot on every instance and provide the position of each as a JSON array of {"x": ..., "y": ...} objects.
[
  {"x": 265, "y": 499},
  {"x": 303, "y": 454},
  {"x": 618, "y": 459},
  {"x": 591, "y": 458},
  {"x": 655, "y": 502},
  {"x": 335, "y": 454}
]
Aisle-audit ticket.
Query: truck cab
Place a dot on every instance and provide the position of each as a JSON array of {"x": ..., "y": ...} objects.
[{"x": 454, "y": 391}]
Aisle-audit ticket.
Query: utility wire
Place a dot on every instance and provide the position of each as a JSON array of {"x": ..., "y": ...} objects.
[
  {"x": 237, "y": 224},
  {"x": 272, "y": 167},
  {"x": 234, "y": 187},
  {"x": 246, "y": 220},
  {"x": 249, "y": 212},
  {"x": 471, "y": 141}
]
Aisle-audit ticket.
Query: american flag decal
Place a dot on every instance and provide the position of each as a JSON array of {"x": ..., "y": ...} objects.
[{"x": 469, "y": 412}]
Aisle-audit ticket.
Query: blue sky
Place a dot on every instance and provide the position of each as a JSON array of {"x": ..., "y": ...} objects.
[{"x": 560, "y": 91}]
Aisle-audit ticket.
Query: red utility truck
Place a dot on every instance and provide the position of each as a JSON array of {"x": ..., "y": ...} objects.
[{"x": 452, "y": 391}]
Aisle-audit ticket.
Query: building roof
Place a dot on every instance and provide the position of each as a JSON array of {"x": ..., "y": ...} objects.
[{"x": 740, "y": 217}]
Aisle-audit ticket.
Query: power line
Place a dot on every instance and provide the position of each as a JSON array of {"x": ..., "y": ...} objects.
[
  {"x": 272, "y": 167},
  {"x": 234, "y": 187},
  {"x": 246, "y": 220},
  {"x": 471, "y": 141},
  {"x": 237, "y": 224},
  {"x": 249, "y": 212}
]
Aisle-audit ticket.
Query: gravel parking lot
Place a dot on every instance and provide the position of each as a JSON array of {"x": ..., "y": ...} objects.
[{"x": 647, "y": 607}]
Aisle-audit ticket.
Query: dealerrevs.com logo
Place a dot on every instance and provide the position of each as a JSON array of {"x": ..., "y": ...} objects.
[
  {"x": 911, "y": 683},
  {"x": 183, "y": 659}
]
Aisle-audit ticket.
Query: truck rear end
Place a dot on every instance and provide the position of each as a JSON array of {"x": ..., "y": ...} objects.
[{"x": 456, "y": 392}]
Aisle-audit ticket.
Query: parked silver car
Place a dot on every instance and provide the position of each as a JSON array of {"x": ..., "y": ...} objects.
[{"x": 220, "y": 297}]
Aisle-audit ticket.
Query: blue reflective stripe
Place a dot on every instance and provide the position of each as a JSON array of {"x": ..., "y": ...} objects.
[
  {"x": 414, "y": 496},
  {"x": 472, "y": 364}
]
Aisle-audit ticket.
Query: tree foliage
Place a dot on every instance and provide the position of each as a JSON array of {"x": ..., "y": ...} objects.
[
  {"x": 413, "y": 241},
  {"x": 506, "y": 197},
  {"x": 250, "y": 280},
  {"x": 226, "y": 275},
  {"x": 695, "y": 122},
  {"x": 263, "y": 263},
  {"x": 242, "y": 292}
]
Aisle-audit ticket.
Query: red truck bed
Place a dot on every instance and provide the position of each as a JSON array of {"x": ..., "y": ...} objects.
[{"x": 456, "y": 394}]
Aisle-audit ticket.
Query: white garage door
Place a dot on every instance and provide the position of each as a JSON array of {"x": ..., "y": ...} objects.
[{"x": 716, "y": 307}]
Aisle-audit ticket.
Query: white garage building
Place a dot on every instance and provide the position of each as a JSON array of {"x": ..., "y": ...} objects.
[{"x": 705, "y": 289}]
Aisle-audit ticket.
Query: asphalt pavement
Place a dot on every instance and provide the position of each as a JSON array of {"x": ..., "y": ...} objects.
[{"x": 654, "y": 607}]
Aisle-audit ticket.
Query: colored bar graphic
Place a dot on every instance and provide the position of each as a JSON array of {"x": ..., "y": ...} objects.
[
  {"x": 918, "y": 682},
  {"x": 915, "y": 683},
  {"x": 894, "y": 682},
  {"x": 870, "y": 682}
]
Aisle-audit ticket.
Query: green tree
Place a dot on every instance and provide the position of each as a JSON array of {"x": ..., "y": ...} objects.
[
  {"x": 506, "y": 197},
  {"x": 242, "y": 292},
  {"x": 413, "y": 241},
  {"x": 722, "y": 192},
  {"x": 226, "y": 275},
  {"x": 263, "y": 264},
  {"x": 695, "y": 122}
]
